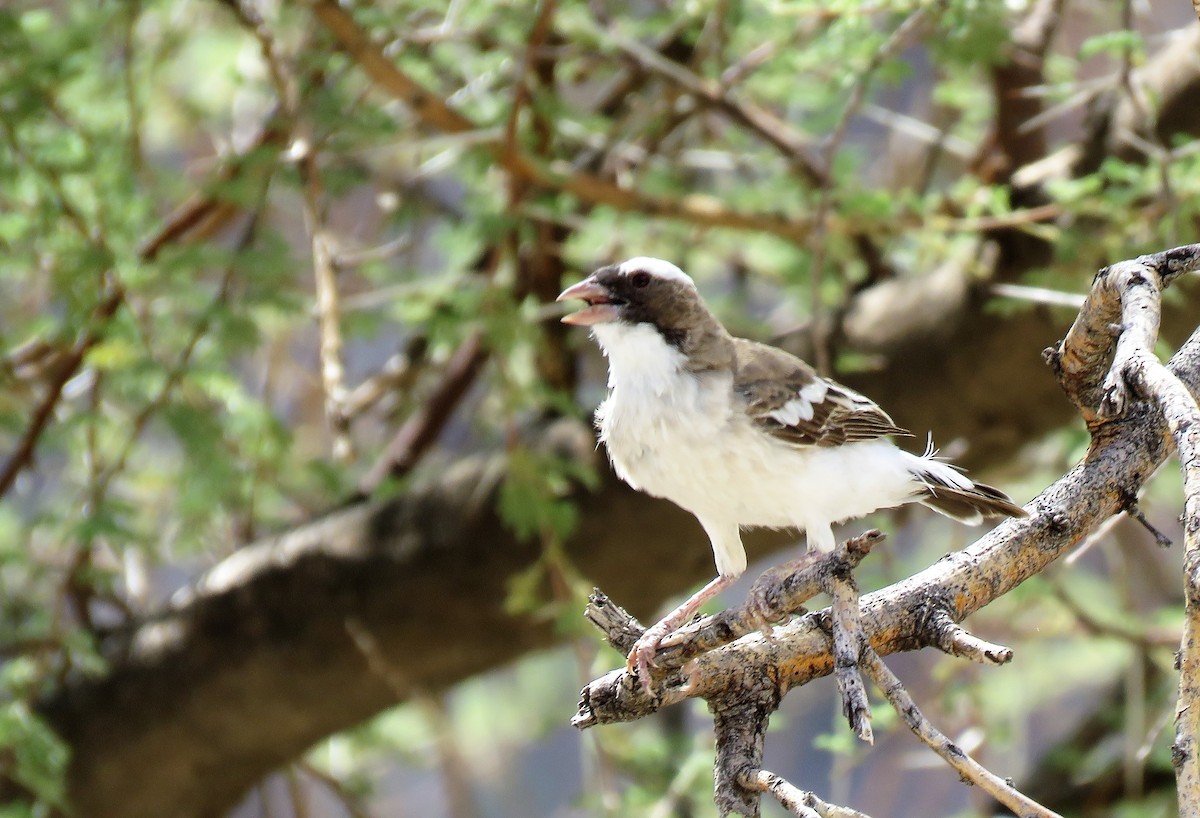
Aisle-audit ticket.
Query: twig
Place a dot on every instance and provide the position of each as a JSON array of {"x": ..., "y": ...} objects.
[
  {"x": 1160, "y": 539},
  {"x": 397, "y": 374},
  {"x": 366, "y": 644},
  {"x": 950, "y": 637},
  {"x": 421, "y": 430},
  {"x": 64, "y": 370},
  {"x": 348, "y": 800},
  {"x": 971, "y": 770},
  {"x": 333, "y": 381},
  {"x": 796, "y": 801},
  {"x": 1038, "y": 295},
  {"x": 202, "y": 215},
  {"x": 793, "y": 146},
  {"x": 847, "y": 645}
]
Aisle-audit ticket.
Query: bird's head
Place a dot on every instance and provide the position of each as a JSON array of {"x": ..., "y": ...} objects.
[{"x": 638, "y": 291}]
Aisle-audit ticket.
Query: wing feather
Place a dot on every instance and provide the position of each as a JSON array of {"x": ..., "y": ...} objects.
[{"x": 788, "y": 399}]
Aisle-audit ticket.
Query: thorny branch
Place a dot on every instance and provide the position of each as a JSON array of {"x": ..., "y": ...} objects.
[{"x": 1106, "y": 366}]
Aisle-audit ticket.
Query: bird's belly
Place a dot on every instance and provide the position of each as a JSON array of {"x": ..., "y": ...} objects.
[{"x": 719, "y": 465}]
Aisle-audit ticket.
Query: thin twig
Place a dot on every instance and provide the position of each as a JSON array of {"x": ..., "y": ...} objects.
[
  {"x": 970, "y": 769},
  {"x": 847, "y": 644},
  {"x": 398, "y": 374},
  {"x": 899, "y": 39},
  {"x": 421, "y": 430},
  {"x": 349, "y": 801},
  {"x": 954, "y": 639},
  {"x": 333, "y": 372},
  {"x": 796, "y": 801}
]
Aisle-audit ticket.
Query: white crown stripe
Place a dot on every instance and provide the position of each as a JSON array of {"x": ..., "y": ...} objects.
[{"x": 657, "y": 268}]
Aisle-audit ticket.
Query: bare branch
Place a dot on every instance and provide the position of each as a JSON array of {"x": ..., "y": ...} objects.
[
  {"x": 1132, "y": 290},
  {"x": 954, "y": 639},
  {"x": 848, "y": 643},
  {"x": 420, "y": 431},
  {"x": 795, "y": 800},
  {"x": 970, "y": 769}
]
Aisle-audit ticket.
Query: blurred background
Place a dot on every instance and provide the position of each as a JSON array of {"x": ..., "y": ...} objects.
[{"x": 299, "y": 506}]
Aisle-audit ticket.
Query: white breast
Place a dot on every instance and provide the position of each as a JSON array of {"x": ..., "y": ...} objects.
[{"x": 684, "y": 436}]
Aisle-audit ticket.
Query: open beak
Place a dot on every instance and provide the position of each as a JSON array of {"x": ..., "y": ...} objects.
[{"x": 599, "y": 308}]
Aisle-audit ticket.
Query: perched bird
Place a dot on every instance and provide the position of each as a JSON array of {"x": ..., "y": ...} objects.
[{"x": 740, "y": 433}]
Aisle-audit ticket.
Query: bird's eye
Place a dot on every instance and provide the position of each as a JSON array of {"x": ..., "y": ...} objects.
[{"x": 640, "y": 280}]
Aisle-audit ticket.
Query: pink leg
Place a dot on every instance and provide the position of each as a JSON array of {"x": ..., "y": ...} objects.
[{"x": 642, "y": 655}]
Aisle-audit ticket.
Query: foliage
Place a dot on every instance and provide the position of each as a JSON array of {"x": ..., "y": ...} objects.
[{"x": 182, "y": 367}]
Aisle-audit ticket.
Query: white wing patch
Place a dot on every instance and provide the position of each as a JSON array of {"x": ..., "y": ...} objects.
[
  {"x": 800, "y": 407},
  {"x": 657, "y": 268},
  {"x": 815, "y": 391}
]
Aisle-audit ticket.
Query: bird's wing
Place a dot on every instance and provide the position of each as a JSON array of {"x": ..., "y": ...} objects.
[{"x": 788, "y": 399}]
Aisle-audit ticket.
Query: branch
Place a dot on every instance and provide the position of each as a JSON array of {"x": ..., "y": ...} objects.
[
  {"x": 1132, "y": 292},
  {"x": 64, "y": 369},
  {"x": 420, "y": 431},
  {"x": 970, "y": 769},
  {"x": 797, "y": 802}
]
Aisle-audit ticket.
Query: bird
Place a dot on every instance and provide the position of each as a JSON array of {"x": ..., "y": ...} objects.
[{"x": 743, "y": 434}]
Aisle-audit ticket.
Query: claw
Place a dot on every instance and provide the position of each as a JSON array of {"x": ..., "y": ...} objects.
[{"x": 641, "y": 658}]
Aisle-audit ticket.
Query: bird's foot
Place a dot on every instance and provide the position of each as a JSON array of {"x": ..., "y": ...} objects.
[{"x": 641, "y": 657}]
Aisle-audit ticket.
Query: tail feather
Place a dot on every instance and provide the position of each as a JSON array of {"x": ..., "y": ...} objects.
[{"x": 948, "y": 492}]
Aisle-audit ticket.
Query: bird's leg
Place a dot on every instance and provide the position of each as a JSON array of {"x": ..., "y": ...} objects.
[{"x": 642, "y": 655}]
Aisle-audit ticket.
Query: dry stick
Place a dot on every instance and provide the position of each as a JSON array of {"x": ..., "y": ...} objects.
[
  {"x": 955, "y": 756},
  {"x": 333, "y": 372},
  {"x": 955, "y": 640},
  {"x": 847, "y": 645},
  {"x": 422, "y": 429},
  {"x": 795, "y": 800}
]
